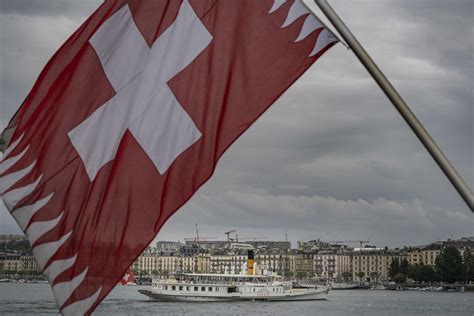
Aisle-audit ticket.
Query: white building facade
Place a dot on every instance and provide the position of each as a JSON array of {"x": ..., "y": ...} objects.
[{"x": 332, "y": 266}]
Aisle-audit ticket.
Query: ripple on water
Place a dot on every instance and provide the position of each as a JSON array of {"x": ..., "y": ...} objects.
[{"x": 36, "y": 299}]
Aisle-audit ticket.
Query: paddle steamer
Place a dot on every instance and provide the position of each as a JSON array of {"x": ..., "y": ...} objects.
[{"x": 213, "y": 287}]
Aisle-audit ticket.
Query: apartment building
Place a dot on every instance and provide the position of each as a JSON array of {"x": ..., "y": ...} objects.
[
  {"x": 332, "y": 265},
  {"x": 18, "y": 262},
  {"x": 424, "y": 255},
  {"x": 374, "y": 264}
]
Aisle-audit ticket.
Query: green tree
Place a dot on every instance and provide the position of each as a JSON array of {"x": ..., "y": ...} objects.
[
  {"x": 374, "y": 276},
  {"x": 468, "y": 266},
  {"x": 400, "y": 278},
  {"x": 449, "y": 265},
  {"x": 421, "y": 273},
  {"x": 412, "y": 269},
  {"x": 360, "y": 275},
  {"x": 394, "y": 268},
  {"x": 404, "y": 266},
  {"x": 425, "y": 273}
]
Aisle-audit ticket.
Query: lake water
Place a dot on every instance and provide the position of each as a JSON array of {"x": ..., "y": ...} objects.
[{"x": 37, "y": 299}]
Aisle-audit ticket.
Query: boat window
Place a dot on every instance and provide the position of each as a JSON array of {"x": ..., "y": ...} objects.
[
  {"x": 195, "y": 288},
  {"x": 180, "y": 288},
  {"x": 203, "y": 288},
  {"x": 210, "y": 289},
  {"x": 173, "y": 287}
]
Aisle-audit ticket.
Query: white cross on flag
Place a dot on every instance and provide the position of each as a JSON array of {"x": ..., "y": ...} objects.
[{"x": 129, "y": 118}]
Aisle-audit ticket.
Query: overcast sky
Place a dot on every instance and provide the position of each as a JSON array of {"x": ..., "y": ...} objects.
[{"x": 332, "y": 159}]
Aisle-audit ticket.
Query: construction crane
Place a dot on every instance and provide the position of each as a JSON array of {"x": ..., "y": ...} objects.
[
  {"x": 228, "y": 234},
  {"x": 237, "y": 238},
  {"x": 197, "y": 239},
  {"x": 349, "y": 241}
]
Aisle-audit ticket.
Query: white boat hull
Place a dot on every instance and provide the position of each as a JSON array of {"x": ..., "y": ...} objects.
[
  {"x": 292, "y": 295},
  {"x": 214, "y": 287},
  {"x": 159, "y": 297},
  {"x": 302, "y": 295}
]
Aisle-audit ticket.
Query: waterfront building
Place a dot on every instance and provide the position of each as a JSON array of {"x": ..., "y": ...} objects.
[
  {"x": 219, "y": 245},
  {"x": 10, "y": 238},
  {"x": 312, "y": 245},
  {"x": 274, "y": 261},
  {"x": 374, "y": 265},
  {"x": 460, "y": 244},
  {"x": 168, "y": 245},
  {"x": 239, "y": 257},
  {"x": 302, "y": 264},
  {"x": 203, "y": 263},
  {"x": 157, "y": 264},
  {"x": 329, "y": 265},
  {"x": 429, "y": 254},
  {"x": 168, "y": 264},
  {"x": 271, "y": 246},
  {"x": 147, "y": 263},
  {"x": 28, "y": 264},
  {"x": 209, "y": 244},
  {"x": 189, "y": 250},
  {"x": 316, "y": 258},
  {"x": 11, "y": 262},
  {"x": 424, "y": 256},
  {"x": 222, "y": 262},
  {"x": 18, "y": 263},
  {"x": 234, "y": 261},
  {"x": 316, "y": 246}
]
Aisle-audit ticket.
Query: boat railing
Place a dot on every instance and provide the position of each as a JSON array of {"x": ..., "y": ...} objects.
[{"x": 210, "y": 282}]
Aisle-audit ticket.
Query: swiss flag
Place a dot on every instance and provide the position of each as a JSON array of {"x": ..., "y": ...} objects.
[
  {"x": 128, "y": 278},
  {"x": 129, "y": 118}
]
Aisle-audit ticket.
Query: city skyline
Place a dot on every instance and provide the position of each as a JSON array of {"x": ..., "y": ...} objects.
[
  {"x": 315, "y": 258},
  {"x": 332, "y": 158},
  {"x": 350, "y": 243}
]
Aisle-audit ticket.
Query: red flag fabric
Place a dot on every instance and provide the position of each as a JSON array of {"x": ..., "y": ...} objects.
[
  {"x": 129, "y": 118},
  {"x": 128, "y": 278}
]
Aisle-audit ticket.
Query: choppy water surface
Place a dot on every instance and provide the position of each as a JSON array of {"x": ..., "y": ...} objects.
[{"x": 37, "y": 299}]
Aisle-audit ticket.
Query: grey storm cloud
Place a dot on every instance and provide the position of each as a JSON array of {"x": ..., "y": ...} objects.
[
  {"x": 332, "y": 158},
  {"x": 49, "y": 8}
]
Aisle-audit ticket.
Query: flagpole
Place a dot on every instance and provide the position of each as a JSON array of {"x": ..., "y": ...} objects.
[{"x": 399, "y": 104}]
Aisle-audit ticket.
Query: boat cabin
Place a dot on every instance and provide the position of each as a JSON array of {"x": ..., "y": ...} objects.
[{"x": 219, "y": 283}]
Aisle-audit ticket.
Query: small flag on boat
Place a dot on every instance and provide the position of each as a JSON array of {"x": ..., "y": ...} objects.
[
  {"x": 129, "y": 118},
  {"x": 128, "y": 278}
]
